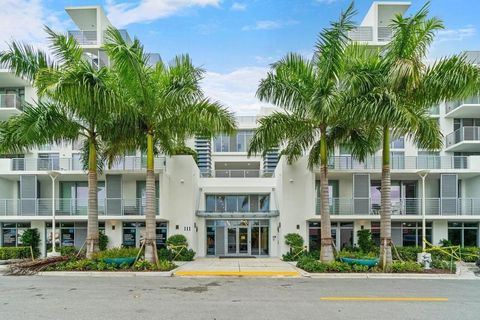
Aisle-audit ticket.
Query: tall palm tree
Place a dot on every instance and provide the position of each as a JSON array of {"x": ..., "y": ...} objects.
[
  {"x": 312, "y": 94},
  {"x": 76, "y": 102},
  {"x": 168, "y": 106},
  {"x": 404, "y": 88}
]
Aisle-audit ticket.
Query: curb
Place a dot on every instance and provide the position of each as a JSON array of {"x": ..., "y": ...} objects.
[
  {"x": 405, "y": 276},
  {"x": 237, "y": 274},
  {"x": 105, "y": 274}
]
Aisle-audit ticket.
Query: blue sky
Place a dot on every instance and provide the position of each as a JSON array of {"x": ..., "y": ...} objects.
[{"x": 234, "y": 40}]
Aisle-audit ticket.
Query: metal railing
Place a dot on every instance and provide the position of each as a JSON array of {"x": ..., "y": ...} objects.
[
  {"x": 406, "y": 206},
  {"x": 400, "y": 163},
  {"x": 250, "y": 214},
  {"x": 237, "y": 174},
  {"x": 384, "y": 34},
  {"x": 10, "y": 101},
  {"x": 73, "y": 207},
  {"x": 462, "y": 134},
  {"x": 84, "y": 37},
  {"x": 126, "y": 163},
  {"x": 452, "y": 105},
  {"x": 361, "y": 34}
]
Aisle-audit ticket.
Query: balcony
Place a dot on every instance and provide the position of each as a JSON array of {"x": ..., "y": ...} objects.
[
  {"x": 84, "y": 37},
  {"x": 404, "y": 207},
  {"x": 384, "y": 34},
  {"x": 237, "y": 214},
  {"x": 400, "y": 163},
  {"x": 361, "y": 34},
  {"x": 467, "y": 108},
  {"x": 73, "y": 207},
  {"x": 465, "y": 139},
  {"x": 127, "y": 163},
  {"x": 237, "y": 174},
  {"x": 10, "y": 104}
]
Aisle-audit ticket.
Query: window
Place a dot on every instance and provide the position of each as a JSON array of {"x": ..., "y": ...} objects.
[
  {"x": 405, "y": 234},
  {"x": 398, "y": 143},
  {"x": 463, "y": 234},
  {"x": 342, "y": 235},
  {"x": 237, "y": 203},
  {"x": 236, "y": 143},
  {"x": 12, "y": 232},
  {"x": 332, "y": 196},
  {"x": 428, "y": 160}
]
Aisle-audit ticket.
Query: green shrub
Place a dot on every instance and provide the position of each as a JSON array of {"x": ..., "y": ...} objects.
[
  {"x": 177, "y": 240},
  {"x": 165, "y": 265},
  {"x": 407, "y": 253},
  {"x": 469, "y": 254},
  {"x": 7, "y": 253},
  {"x": 144, "y": 265},
  {"x": 117, "y": 253},
  {"x": 405, "y": 267},
  {"x": 315, "y": 266},
  {"x": 356, "y": 254},
  {"x": 177, "y": 249},
  {"x": 170, "y": 255},
  {"x": 68, "y": 251},
  {"x": 445, "y": 243},
  {"x": 31, "y": 238},
  {"x": 102, "y": 241},
  {"x": 365, "y": 241},
  {"x": 295, "y": 242}
]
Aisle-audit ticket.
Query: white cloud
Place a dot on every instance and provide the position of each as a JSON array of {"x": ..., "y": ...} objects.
[
  {"x": 456, "y": 34},
  {"x": 125, "y": 13},
  {"x": 236, "y": 89},
  {"x": 269, "y": 25},
  {"x": 24, "y": 20},
  {"x": 236, "y": 6}
]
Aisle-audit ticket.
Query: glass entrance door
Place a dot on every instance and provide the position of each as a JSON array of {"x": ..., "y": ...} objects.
[
  {"x": 232, "y": 240},
  {"x": 242, "y": 240}
]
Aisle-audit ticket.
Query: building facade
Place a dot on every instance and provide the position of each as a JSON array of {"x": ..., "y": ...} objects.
[{"x": 229, "y": 204}]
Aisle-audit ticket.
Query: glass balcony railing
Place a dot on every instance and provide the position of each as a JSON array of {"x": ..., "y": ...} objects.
[
  {"x": 127, "y": 163},
  {"x": 384, "y": 34},
  {"x": 400, "y": 163},
  {"x": 10, "y": 101},
  {"x": 361, "y": 34},
  {"x": 407, "y": 206},
  {"x": 73, "y": 207},
  {"x": 237, "y": 174},
  {"x": 462, "y": 134},
  {"x": 452, "y": 105},
  {"x": 84, "y": 37}
]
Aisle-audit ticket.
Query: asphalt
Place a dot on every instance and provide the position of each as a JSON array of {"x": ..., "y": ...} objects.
[{"x": 39, "y": 297}]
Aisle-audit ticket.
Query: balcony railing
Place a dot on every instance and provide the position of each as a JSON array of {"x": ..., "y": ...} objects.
[
  {"x": 463, "y": 134},
  {"x": 361, "y": 34},
  {"x": 10, "y": 101},
  {"x": 249, "y": 214},
  {"x": 452, "y": 105},
  {"x": 384, "y": 34},
  {"x": 72, "y": 164},
  {"x": 84, "y": 37},
  {"x": 237, "y": 174},
  {"x": 73, "y": 207},
  {"x": 400, "y": 163},
  {"x": 407, "y": 206}
]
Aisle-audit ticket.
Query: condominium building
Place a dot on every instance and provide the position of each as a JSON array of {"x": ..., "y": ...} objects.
[{"x": 229, "y": 204}]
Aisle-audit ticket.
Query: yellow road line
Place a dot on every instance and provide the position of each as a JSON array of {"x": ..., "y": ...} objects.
[
  {"x": 237, "y": 273},
  {"x": 382, "y": 299}
]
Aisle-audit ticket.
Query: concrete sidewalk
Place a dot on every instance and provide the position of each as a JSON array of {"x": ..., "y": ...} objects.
[{"x": 256, "y": 267}]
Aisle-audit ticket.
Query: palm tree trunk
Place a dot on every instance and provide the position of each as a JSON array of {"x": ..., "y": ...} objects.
[
  {"x": 92, "y": 224},
  {"x": 150, "y": 216},
  {"x": 326, "y": 246},
  {"x": 386, "y": 204}
]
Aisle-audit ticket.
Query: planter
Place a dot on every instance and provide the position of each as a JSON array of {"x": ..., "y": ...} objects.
[
  {"x": 119, "y": 261},
  {"x": 362, "y": 262}
]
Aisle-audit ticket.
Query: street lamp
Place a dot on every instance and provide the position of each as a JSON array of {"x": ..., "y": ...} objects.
[
  {"x": 424, "y": 257},
  {"x": 53, "y": 176}
]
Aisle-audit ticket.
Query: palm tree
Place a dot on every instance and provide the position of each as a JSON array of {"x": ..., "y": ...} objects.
[
  {"x": 312, "y": 94},
  {"x": 76, "y": 102},
  {"x": 403, "y": 89},
  {"x": 168, "y": 106}
]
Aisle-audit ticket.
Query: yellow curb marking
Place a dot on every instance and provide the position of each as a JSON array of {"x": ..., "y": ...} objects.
[
  {"x": 380, "y": 299},
  {"x": 237, "y": 273}
]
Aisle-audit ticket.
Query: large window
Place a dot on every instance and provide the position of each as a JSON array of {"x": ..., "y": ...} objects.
[
  {"x": 463, "y": 234},
  {"x": 74, "y": 197},
  {"x": 342, "y": 234},
  {"x": 236, "y": 143},
  {"x": 405, "y": 234},
  {"x": 12, "y": 232},
  {"x": 333, "y": 199},
  {"x": 238, "y": 203},
  {"x": 134, "y": 233}
]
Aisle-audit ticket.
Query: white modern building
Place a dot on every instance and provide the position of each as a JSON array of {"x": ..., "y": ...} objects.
[{"x": 229, "y": 204}]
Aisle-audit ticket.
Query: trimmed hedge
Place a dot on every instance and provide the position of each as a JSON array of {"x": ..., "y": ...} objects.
[{"x": 7, "y": 253}]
